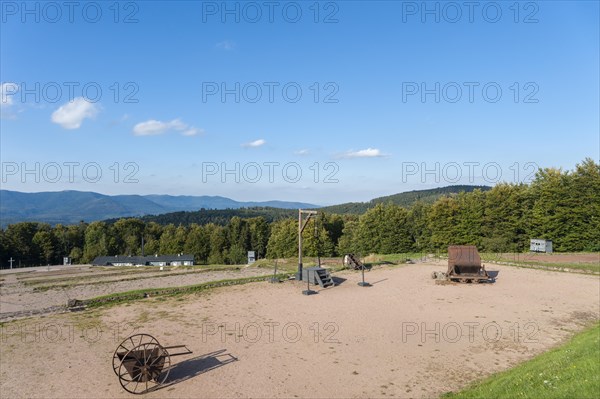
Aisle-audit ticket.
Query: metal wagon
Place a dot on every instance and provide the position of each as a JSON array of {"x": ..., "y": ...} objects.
[{"x": 143, "y": 364}]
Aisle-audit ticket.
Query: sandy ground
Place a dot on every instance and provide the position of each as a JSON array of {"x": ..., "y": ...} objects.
[
  {"x": 403, "y": 337},
  {"x": 15, "y": 296}
]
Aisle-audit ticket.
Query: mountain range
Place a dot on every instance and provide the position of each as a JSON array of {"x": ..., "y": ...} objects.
[{"x": 68, "y": 207}]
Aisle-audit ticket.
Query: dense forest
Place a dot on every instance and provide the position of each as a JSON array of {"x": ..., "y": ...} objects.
[
  {"x": 405, "y": 199},
  {"x": 563, "y": 206}
]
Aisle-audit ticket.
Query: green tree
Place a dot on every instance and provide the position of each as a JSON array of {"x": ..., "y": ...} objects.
[
  {"x": 443, "y": 222},
  {"x": 384, "y": 229},
  {"x": 152, "y": 233},
  {"x": 348, "y": 242},
  {"x": 128, "y": 235},
  {"x": 99, "y": 241},
  {"x": 44, "y": 240},
  {"x": 19, "y": 237},
  {"x": 198, "y": 244},
  {"x": 417, "y": 226},
  {"x": 283, "y": 242},
  {"x": 259, "y": 236},
  {"x": 218, "y": 244}
]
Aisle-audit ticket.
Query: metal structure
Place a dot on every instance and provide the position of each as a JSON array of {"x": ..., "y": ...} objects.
[
  {"x": 351, "y": 260},
  {"x": 464, "y": 265},
  {"x": 363, "y": 283},
  {"x": 318, "y": 276},
  {"x": 540, "y": 245},
  {"x": 302, "y": 222},
  {"x": 142, "y": 364}
]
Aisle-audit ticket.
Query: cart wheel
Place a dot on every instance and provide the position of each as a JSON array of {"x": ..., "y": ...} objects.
[
  {"x": 128, "y": 344},
  {"x": 143, "y": 368}
]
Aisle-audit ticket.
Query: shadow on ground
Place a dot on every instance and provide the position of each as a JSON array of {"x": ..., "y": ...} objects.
[
  {"x": 199, "y": 365},
  {"x": 338, "y": 280}
]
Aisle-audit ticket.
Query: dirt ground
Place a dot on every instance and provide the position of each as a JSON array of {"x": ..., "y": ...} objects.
[
  {"x": 404, "y": 336},
  {"x": 20, "y": 290}
]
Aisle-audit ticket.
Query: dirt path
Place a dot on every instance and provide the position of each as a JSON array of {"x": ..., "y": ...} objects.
[
  {"x": 16, "y": 296},
  {"x": 403, "y": 337}
]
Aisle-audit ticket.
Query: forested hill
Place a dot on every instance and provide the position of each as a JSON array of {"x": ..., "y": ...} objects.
[
  {"x": 405, "y": 199},
  {"x": 223, "y": 216},
  {"x": 217, "y": 216},
  {"x": 558, "y": 205},
  {"x": 68, "y": 207}
]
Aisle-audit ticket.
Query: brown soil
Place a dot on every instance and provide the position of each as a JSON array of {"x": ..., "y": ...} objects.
[{"x": 403, "y": 337}]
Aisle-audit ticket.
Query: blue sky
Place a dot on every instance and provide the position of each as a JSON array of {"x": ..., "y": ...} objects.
[{"x": 361, "y": 118}]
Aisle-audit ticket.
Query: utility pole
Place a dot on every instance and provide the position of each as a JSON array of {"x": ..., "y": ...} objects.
[{"x": 302, "y": 222}]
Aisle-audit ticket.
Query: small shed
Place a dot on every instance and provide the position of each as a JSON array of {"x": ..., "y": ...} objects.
[{"x": 540, "y": 245}]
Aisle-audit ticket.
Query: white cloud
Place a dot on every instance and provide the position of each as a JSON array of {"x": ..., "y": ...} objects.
[
  {"x": 302, "y": 152},
  {"x": 153, "y": 127},
  {"x": 226, "y": 45},
  {"x": 192, "y": 132},
  {"x": 255, "y": 143},
  {"x": 72, "y": 114},
  {"x": 7, "y": 91},
  {"x": 366, "y": 153}
]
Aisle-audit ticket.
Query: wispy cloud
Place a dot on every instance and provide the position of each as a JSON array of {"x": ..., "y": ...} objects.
[
  {"x": 302, "y": 152},
  {"x": 192, "y": 132},
  {"x": 71, "y": 115},
  {"x": 153, "y": 127},
  {"x": 366, "y": 153},
  {"x": 7, "y": 91},
  {"x": 255, "y": 143},
  {"x": 226, "y": 45}
]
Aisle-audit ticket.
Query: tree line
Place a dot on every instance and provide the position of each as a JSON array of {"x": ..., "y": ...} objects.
[{"x": 563, "y": 206}]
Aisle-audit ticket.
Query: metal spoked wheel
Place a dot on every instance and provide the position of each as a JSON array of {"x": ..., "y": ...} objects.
[
  {"x": 128, "y": 344},
  {"x": 144, "y": 367}
]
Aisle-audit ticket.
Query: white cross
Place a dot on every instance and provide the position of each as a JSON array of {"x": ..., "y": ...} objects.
[{"x": 11, "y": 260}]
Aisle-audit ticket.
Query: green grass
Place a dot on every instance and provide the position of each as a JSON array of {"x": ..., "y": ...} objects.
[
  {"x": 160, "y": 274},
  {"x": 561, "y": 266},
  {"x": 335, "y": 263},
  {"x": 283, "y": 265},
  {"x": 539, "y": 263},
  {"x": 393, "y": 258},
  {"x": 113, "y": 299},
  {"x": 570, "y": 371}
]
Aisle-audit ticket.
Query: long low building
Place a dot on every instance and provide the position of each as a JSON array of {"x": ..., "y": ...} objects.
[{"x": 154, "y": 260}]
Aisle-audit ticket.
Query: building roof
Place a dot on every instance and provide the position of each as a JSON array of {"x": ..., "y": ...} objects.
[{"x": 141, "y": 260}]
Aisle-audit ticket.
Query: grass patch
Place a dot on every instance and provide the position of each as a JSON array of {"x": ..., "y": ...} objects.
[
  {"x": 562, "y": 266},
  {"x": 396, "y": 259},
  {"x": 570, "y": 371},
  {"x": 521, "y": 260},
  {"x": 336, "y": 263},
  {"x": 171, "y": 291},
  {"x": 283, "y": 265},
  {"x": 160, "y": 274}
]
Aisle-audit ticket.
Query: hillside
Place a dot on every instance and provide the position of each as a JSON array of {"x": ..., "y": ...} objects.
[
  {"x": 68, "y": 207},
  {"x": 270, "y": 213},
  {"x": 403, "y": 199}
]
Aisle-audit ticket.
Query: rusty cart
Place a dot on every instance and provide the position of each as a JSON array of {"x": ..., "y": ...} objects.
[
  {"x": 143, "y": 364},
  {"x": 464, "y": 266}
]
